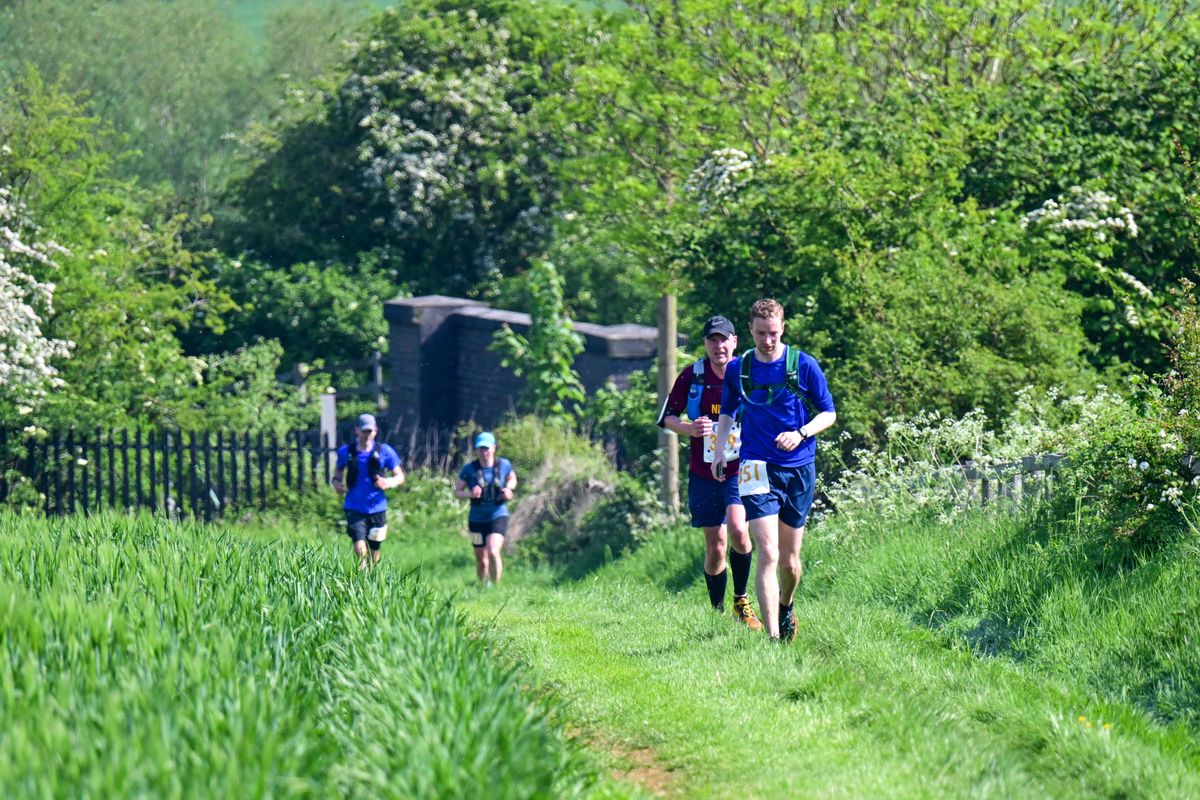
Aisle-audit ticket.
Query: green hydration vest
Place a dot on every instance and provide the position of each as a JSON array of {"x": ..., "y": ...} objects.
[{"x": 791, "y": 379}]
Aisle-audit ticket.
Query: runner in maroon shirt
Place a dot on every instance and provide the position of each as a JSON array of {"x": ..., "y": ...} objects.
[{"x": 713, "y": 503}]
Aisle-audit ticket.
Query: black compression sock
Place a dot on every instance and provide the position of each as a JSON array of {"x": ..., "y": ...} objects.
[
  {"x": 716, "y": 589},
  {"x": 739, "y": 565},
  {"x": 784, "y": 610}
]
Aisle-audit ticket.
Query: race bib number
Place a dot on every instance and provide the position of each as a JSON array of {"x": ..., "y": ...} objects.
[
  {"x": 377, "y": 534},
  {"x": 733, "y": 444},
  {"x": 752, "y": 479},
  {"x": 477, "y": 539}
]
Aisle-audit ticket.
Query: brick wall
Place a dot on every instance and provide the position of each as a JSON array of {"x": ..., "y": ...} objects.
[{"x": 442, "y": 371}]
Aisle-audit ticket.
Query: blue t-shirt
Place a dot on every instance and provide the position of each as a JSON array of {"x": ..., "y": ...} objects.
[
  {"x": 364, "y": 496},
  {"x": 762, "y": 423},
  {"x": 486, "y": 510}
]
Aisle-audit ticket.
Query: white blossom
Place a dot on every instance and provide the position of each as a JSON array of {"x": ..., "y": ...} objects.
[
  {"x": 1092, "y": 212},
  {"x": 26, "y": 371},
  {"x": 720, "y": 175}
]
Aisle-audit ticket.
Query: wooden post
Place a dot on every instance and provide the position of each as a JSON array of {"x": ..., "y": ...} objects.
[
  {"x": 668, "y": 442},
  {"x": 329, "y": 440}
]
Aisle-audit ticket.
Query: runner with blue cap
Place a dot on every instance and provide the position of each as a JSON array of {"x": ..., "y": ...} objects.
[{"x": 488, "y": 483}]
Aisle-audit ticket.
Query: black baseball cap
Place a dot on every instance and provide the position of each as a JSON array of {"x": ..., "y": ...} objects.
[{"x": 718, "y": 325}]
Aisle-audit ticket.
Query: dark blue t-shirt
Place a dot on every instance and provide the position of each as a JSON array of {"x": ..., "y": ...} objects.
[
  {"x": 364, "y": 496},
  {"x": 487, "y": 510},
  {"x": 762, "y": 423}
]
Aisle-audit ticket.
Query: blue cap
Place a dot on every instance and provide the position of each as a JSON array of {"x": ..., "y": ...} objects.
[
  {"x": 485, "y": 439},
  {"x": 366, "y": 422}
]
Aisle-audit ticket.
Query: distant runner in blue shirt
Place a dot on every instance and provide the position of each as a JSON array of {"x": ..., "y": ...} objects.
[
  {"x": 363, "y": 479},
  {"x": 488, "y": 482},
  {"x": 770, "y": 386}
]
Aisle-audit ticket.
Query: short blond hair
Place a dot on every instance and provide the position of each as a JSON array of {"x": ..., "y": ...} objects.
[{"x": 767, "y": 308}]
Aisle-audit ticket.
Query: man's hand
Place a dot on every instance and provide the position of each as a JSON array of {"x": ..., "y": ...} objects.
[
  {"x": 338, "y": 485},
  {"x": 506, "y": 493},
  {"x": 789, "y": 440},
  {"x": 718, "y": 464},
  {"x": 702, "y": 427},
  {"x": 476, "y": 492},
  {"x": 382, "y": 482}
]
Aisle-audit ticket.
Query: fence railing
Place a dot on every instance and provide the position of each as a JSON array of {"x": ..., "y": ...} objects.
[
  {"x": 173, "y": 472},
  {"x": 1015, "y": 481}
]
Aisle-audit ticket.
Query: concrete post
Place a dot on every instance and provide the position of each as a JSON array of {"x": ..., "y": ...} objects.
[
  {"x": 668, "y": 442},
  {"x": 329, "y": 441}
]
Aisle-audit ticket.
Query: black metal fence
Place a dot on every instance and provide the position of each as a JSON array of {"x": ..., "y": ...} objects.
[{"x": 201, "y": 474}]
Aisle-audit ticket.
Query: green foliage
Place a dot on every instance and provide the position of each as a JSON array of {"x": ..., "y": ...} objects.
[
  {"x": 172, "y": 81},
  {"x": 625, "y": 418},
  {"x": 126, "y": 284},
  {"x": 546, "y": 358},
  {"x": 1108, "y": 122},
  {"x": 316, "y": 312},
  {"x": 614, "y": 526},
  {"x": 911, "y": 301},
  {"x": 529, "y": 440},
  {"x": 421, "y": 148}
]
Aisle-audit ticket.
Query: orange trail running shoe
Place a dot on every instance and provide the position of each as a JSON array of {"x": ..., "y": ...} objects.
[{"x": 743, "y": 612}]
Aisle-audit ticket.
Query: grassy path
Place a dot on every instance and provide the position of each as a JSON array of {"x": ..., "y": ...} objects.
[{"x": 866, "y": 703}]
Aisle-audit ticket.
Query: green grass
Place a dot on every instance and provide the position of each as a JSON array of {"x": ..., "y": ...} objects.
[
  {"x": 899, "y": 686},
  {"x": 1003, "y": 656},
  {"x": 145, "y": 658}
]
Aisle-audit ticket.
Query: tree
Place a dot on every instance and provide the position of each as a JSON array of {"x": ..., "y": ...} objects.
[
  {"x": 26, "y": 353},
  {"x": 546, "y": 359},
  {"x": 421, "y": 150},
  {"x": 125, "y": 283}
]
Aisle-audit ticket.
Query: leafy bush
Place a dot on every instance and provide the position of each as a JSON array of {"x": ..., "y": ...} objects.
[
  {"x": 624, "y": 419},
  {"x": 920, "y": 469},
  {"x": 545, "y": 358}
]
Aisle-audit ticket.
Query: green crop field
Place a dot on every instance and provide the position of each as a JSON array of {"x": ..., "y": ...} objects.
[{"x": 141, "y": 658}]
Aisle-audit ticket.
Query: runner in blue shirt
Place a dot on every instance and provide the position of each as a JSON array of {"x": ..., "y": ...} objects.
[
  {"x": 777, "y": 472},
  {"x": 375, "y": 468},
  {"x": 488, "y": 482}
]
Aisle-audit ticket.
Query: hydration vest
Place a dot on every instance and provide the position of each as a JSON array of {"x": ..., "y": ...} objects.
[
  {"x": 374, "y": 466},
  {"x": 696, "y": 390},
  {"x": 791, "y": 378},
  {"x": 492, "y": 492}
]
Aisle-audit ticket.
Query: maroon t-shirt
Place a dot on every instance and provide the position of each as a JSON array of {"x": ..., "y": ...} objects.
[{"x": 710, "y": 403}]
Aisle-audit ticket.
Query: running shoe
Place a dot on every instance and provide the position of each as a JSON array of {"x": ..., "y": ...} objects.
[
  {"x": 787, "y": 627},
  {"x": 743, "y": 612}
]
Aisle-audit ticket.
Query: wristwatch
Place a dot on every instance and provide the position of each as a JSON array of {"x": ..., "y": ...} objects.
[{"x": 802, "y": 433}]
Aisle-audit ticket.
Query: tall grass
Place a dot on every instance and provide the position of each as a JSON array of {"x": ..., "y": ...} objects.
[
  {"x": 1051, "y": 593},
  {"x": 146, "y": 658}
]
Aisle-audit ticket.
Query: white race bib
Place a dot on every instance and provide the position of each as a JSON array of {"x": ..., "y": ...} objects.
[
  {"x": 476, "y": 539},
  {"x": 377, "y": 534},
  {"x": 752, "y": 479},
  {"x": 733, "y": 444}
]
